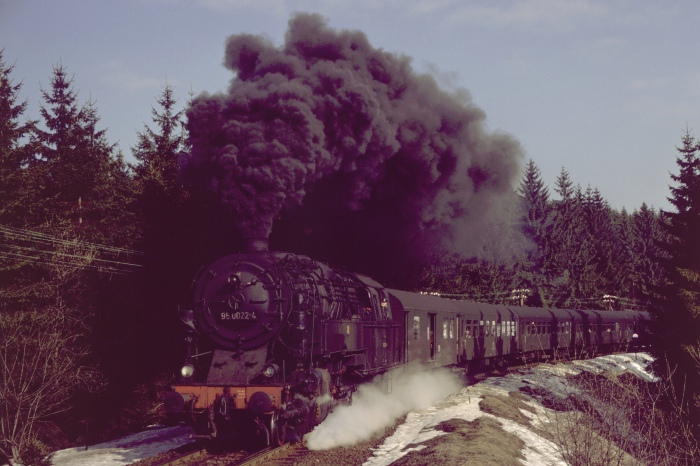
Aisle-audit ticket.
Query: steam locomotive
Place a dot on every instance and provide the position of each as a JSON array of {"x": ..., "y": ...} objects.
[{"x": 275, "y": 340}]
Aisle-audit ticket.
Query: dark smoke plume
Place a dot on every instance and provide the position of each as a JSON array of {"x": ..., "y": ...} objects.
[{"x": 348, "y": 153}]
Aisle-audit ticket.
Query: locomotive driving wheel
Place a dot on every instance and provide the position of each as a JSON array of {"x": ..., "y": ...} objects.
[{"x": 277, "y": 429}]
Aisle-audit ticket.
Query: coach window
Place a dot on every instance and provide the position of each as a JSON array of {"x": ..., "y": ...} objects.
[
  {"x": 452, "y": 329},
  {"x": 416, "y": 327},
  {"x": 444, "y": 329}
]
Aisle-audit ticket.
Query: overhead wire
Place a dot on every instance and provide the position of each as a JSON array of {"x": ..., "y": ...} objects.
[
  {"x": 41, "y": 248},
  {"x": 31, "y": 235},
  {"x": 67, "y": 255},
  {"x": 75, "y": 265}
]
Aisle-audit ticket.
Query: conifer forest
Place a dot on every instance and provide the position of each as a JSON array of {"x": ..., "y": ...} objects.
[{"x": 98, "y": 249}]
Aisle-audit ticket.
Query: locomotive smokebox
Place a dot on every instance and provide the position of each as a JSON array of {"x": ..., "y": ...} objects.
[{"x": 255, "y": 245}]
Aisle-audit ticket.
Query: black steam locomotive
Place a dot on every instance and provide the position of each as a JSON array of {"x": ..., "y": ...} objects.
[{"x": 275, "y": 340}]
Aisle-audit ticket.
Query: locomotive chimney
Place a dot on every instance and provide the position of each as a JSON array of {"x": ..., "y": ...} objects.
[{"x": 255, "y": 245}]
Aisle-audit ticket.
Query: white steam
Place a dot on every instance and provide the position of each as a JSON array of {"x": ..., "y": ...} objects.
[{"x": 373, "y": 409}]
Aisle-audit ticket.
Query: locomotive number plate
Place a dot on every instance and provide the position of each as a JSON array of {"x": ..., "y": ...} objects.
[{"x": 237, "y": 315}]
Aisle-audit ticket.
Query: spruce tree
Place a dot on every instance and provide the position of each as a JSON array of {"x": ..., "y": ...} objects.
[
  {"x": 648, "y": 236},
  {"x": 678, "y": 312},
  {"x": 570, "y": 261},
  {"x": 537, "y": 224},
  {"x": 161, "y": 204},
  {"x": 158, "y": 151},
  {"x": 600, "y": 219},
  {"x": 621, "y": 278},
  {"x": 77, "y": 165},
  {"x": 15, "y": 151}
]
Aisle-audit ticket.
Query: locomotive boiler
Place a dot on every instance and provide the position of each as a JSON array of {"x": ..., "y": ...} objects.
[{"x": 275, "y": 340}]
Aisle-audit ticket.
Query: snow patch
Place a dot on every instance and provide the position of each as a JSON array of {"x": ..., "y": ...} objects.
[{"x": 126, "y": 450}]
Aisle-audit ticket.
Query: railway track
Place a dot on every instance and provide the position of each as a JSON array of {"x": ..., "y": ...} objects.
[
  {"x": 286, "y": 454},
  {"x": 194, "y": 454},
  {"x": 191, "y": 452}
]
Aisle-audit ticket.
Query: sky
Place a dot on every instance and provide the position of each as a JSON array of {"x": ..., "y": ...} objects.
[{"x": 604, "y": 89}]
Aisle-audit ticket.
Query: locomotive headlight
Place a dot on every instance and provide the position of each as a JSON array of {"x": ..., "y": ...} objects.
[
  {"x": 187, "y": 371},
  {"x": 270, "y": 370}
]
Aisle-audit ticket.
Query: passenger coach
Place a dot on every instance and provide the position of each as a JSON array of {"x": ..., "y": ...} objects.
[{"x": 442, "y": 332}]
